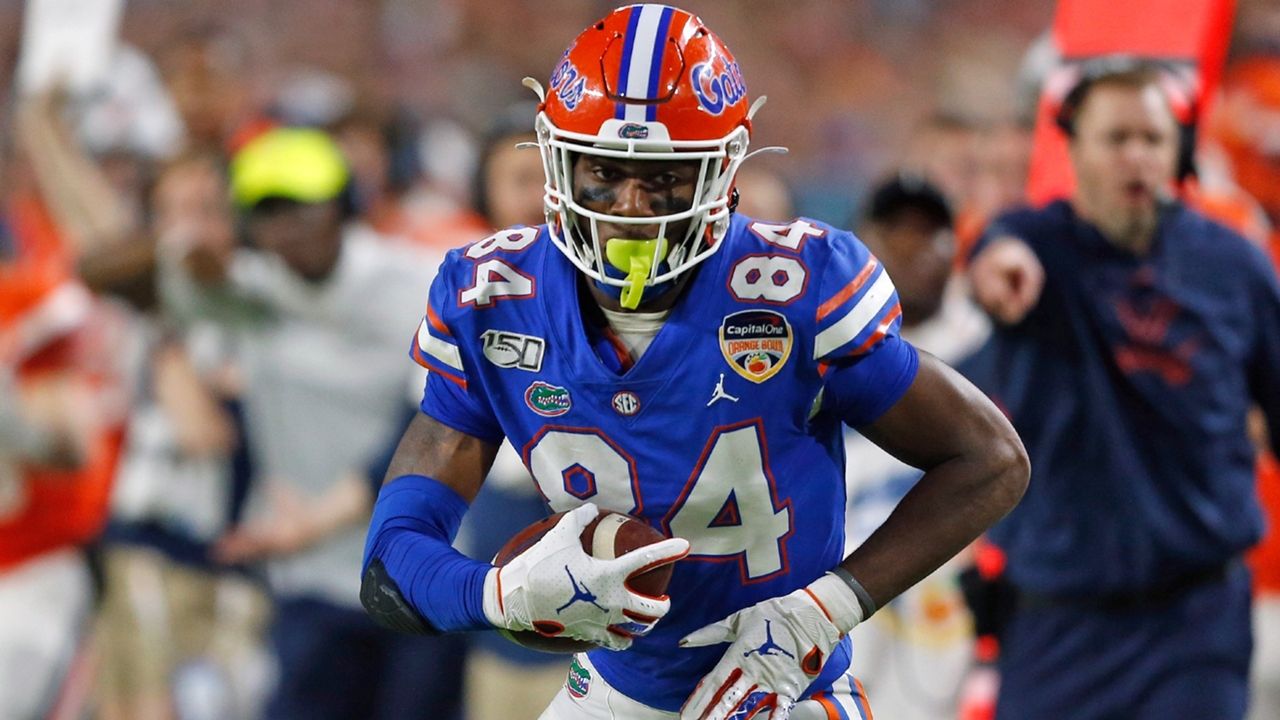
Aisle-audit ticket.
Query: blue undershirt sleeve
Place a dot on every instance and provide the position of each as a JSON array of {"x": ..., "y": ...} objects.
[{"x": 414, "y": 521}]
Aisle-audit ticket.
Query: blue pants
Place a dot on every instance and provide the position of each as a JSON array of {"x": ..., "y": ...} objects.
[
  {"x": 335, "y": 664},
  {"x": 1185, "y": 657}
]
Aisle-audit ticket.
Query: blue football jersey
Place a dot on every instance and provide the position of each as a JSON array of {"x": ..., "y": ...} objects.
[{"x": 725, "y": 432}]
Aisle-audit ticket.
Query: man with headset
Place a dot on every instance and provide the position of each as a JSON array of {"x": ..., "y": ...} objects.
[{"x": 1133, "y": 337}]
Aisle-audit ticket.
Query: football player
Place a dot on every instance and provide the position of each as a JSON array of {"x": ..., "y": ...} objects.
[{"x": 652, "y": 352}]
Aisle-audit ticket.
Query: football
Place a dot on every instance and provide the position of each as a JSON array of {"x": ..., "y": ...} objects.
[{"x": 610, "y": 535}]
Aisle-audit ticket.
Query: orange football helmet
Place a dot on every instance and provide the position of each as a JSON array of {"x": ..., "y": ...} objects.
[{"x": 647, "y": 82}]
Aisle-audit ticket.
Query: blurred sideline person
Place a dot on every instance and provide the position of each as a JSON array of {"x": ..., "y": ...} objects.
[
  {"x": 764, "y": 194},
  {"x": 913, "y": 654},
  {"x": 209, "y": 73},
  {"x": 61, "y": 426},
  {"x": 315, "y": 300},
  {"x": 1133, "y": 337},
  {"x": 179, "y": 635},
  {"x": 1244, "y": 127}
]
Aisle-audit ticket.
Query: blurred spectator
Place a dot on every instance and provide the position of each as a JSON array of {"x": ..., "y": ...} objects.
[
  {"x": 1004, "y": 159},
  {"x": 386, "y": 171},
  {"x": 1264, "y": 696},
  {"x": 320, "y": 305},
  {"x": 912, "y": 655},
  {"x": 216, "y": 90},
  {"x": 1246, "y": 126},
  {"x": 61, "y": 425},
  {"x": 763, "y": 194},
  {"x": 945, "y": 150},
  {"x": 179, "y": 637},
  {"x": 1134, "y": 337}
]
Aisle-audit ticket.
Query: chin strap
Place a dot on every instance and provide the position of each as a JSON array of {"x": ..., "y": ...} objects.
[{"x": 635, "y": 258}]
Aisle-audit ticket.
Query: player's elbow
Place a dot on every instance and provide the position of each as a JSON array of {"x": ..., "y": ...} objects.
[
  {"x": 387, "y": 606},
  {"x": 1010, "y": 471}
]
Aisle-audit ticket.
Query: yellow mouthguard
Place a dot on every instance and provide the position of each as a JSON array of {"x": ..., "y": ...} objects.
[{"x": 635, "y": 258}]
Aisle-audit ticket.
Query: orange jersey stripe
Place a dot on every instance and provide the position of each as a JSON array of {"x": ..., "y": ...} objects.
[
  {"x": 437, "y": 323},
  {"x": 863, "y": 704},
  {"x": 849, "y": 290},
  {"x": 878, "y": 335},
  {"x": 833, "y": 713},
  {"x": 424, "y": 360}
]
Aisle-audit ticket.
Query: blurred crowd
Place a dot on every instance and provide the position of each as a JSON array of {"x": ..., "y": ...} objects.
[{"x": 212, "y": 265}]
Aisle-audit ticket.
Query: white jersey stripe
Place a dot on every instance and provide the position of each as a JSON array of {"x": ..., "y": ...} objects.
[
  {"x": 856, "y": 320},
  {"x": 642, "y": 50},
  {"x": 445, "y": 352},
  {"x": 846, "y": 699}
]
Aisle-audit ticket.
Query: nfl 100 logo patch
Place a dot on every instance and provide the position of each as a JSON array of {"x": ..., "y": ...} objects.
[
  {"x": 756, "y": 343},
  {"x": 514, "y": 350}
]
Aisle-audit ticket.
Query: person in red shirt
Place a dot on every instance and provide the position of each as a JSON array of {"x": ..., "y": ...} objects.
[{"x": 60, "y": 433}]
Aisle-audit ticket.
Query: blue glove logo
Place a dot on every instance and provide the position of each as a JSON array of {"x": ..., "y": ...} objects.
[
  {"x": 769, "y": 647},
  {"x": 580, "y": 593}
]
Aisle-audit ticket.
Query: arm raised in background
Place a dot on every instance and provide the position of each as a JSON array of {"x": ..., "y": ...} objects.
[{"x": 1007, "y": 279}]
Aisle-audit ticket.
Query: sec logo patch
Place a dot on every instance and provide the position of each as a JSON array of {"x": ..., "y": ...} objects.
[
  {"x": 626, "y": 403},
  {"x": 756, "y": 343}
]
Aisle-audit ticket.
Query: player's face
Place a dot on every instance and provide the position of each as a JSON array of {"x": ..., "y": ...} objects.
[
  {"x": 635, "y": 188},
  {"x": 1125, "y": 155}
]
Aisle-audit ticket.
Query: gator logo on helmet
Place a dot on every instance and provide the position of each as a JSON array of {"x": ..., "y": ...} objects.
[
  {"x": 633, "y": 131},
  {"x": 717, "y": 90}
]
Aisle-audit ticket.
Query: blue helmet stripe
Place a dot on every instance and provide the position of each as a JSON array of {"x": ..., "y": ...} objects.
[
  {"x": 655, "y": 69},
  {"x": 628, "y": 47}
]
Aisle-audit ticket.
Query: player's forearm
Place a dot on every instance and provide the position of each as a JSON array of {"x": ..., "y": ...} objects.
[
  {"x": 413, "y": 580},
  {"x": 948, "y": 508},
  {"x": 975, "y": 472}
]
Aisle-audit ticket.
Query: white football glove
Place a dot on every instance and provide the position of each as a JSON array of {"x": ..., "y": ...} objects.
[
  {"x": 556, "y": 589},
  {"x": 778, "y": 647}
]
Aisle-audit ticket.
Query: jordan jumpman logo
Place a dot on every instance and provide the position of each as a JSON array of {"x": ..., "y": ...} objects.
[
  {"x": 719, "y": 393},
  {"x": 769, "y": 647},
  {"x": 580, "y": 593}
]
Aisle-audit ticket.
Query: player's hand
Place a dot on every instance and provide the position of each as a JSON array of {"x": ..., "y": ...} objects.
[
  {"x": 556, "y": 589},
  {"x": 777, "y": 648},
  {"x": 1007, "y": 279}
]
